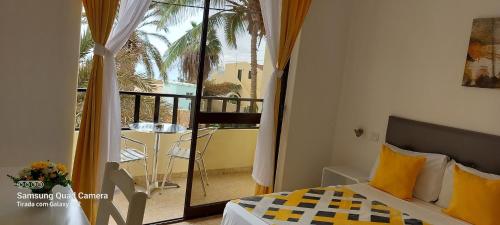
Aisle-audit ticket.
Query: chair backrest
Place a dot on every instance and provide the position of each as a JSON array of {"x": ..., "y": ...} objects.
[
  {"x": 204, "y": 136},
  {"x": 116, "y": 177}
]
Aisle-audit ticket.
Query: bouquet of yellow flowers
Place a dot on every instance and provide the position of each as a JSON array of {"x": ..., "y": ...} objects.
[{"x": 47, "y": 173}]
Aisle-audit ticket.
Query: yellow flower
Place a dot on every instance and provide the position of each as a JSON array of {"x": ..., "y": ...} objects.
[
  {"x": 61, "y": 167},
  {"x": 40, "y": 165}
]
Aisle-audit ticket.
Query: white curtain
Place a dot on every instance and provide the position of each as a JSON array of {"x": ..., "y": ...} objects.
[
  {"x": 131, "y": 13},
  {"x": 263, "y": 166}
]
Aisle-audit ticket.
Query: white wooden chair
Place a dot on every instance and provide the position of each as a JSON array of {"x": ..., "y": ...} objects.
[{"x": 116, "y": 177}]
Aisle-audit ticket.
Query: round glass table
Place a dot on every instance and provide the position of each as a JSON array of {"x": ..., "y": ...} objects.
[{"x": 157, "y": 129}]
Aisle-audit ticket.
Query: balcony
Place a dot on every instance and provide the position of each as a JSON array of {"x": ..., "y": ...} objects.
[{"x": 229, "y": 155}]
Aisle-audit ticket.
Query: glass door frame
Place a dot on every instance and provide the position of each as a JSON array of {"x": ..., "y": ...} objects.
[{"x": 197, "y": 211}]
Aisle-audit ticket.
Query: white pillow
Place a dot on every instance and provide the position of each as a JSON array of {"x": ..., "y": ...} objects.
[
  {"x": 447, "y": 187},
  {"x": 430, "y": 179}
]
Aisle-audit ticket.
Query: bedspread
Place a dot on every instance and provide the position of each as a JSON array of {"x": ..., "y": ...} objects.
[{"x": 324, "y": 206}]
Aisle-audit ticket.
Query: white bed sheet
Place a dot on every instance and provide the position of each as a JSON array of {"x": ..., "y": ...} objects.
[{"x": 236, "y": 215}]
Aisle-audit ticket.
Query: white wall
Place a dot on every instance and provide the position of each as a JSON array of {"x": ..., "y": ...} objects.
[
  {"x": 312, "y": 95},
  {"x": 38, "y": 70},
  {"x": 407, "y": 58}
]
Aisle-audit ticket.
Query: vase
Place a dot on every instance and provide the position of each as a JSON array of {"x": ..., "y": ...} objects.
[{"x": 41, "y": 198}]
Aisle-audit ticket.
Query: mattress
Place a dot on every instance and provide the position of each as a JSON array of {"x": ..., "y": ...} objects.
[{"x": 234, "y": 214}]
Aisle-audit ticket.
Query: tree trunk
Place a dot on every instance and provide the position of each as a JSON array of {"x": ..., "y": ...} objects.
[{"x": 253, "y": 66}]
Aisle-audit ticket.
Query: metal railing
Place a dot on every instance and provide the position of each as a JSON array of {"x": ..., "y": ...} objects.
[{"x": 208, "y": 106}]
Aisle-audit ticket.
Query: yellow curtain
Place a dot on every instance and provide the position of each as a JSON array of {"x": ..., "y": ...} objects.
[
  {"x": 293, "y": 13},
  {"x": 100, "y": 15},
  {"x": 262, "y": 190}
]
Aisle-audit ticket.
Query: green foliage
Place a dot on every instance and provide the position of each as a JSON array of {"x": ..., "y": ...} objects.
[
  {"x": 137, "y": 50},
  {"x": 86, "y": 43},
  {"x": 240, "y": 17},
  {"x": 187, "y": 50},
  {"x": 176, "y": 12}
]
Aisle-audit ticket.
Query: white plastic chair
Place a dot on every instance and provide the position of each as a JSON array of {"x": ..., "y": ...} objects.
[
  {"x": 129, "y": 154},
  {"x": 181, "y": 149},
  {"x": 116, "y": 177}
]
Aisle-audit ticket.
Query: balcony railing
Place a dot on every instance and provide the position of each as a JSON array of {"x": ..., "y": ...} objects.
[{"x": 178, "y": 103}]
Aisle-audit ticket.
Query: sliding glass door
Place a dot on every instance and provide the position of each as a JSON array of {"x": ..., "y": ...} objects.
[{"x": 228, "y": 102}]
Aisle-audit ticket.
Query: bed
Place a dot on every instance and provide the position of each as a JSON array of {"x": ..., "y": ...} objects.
[
  {"x": 234, "y": 214},
  {"x": 470, "y": 148}
]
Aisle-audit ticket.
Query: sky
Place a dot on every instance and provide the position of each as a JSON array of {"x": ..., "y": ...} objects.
[{"x": 230, "y": 55}]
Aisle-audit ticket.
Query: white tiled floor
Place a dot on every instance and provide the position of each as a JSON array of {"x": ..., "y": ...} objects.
[{"x": 169, "y": 203}]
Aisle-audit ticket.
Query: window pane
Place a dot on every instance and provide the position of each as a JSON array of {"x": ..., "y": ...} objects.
[
  {"x": 232, "y": 57},
  {"x": 224, "y": 165},
  {"x": 237, "y": 69}
]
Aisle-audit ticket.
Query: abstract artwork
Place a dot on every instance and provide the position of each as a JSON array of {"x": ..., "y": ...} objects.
[{"x": 482, "y": 67}]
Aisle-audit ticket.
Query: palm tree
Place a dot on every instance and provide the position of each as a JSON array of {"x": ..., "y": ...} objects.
[
  {"x": 137, "y": 50},
  {"x": 240, "y": 16},
  {"x": 245, "y": 13},
  {"x": 140, "y": 45},
  {"x": 186, "y": 50}
]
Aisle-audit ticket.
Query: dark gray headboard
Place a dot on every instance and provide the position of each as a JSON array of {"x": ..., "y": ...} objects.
[{"x": 474, "y": 149}]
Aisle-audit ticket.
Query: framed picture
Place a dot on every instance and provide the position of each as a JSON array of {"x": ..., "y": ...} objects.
[{"x": 482, "y": 67}]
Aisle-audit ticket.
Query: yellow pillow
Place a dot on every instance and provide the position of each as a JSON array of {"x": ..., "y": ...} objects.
[
  {"x": 474, "y": 199},
  {"x": 397, "y": 173}
]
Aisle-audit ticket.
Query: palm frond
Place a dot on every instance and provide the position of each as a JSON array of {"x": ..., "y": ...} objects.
[
  {"x": 131, "y": 81},
  {"x": 155, "y": 57},
  {"x": 146, "y": 35},
  {"x": 186, "y": 51},
  {"x": 234, "y": 24},
  {"x": 176, "y": 12},
  {"x": 211, "y": 88},
  {"x": 145, "y": 61},
  {"x": 86, "y": 43}
]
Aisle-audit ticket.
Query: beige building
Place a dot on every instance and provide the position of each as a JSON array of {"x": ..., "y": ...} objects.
[{"x": 239, "y": 73}]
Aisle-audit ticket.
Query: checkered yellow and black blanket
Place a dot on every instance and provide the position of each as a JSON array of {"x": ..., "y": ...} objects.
[{"x": 324, "y": 206}]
